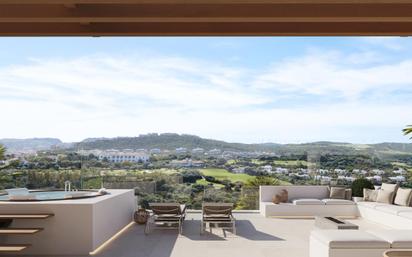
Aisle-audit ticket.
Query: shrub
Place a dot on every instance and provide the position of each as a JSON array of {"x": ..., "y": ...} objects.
[{"x": 358, "y": 186}]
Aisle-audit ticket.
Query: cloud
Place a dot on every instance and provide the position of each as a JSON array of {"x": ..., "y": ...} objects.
[
  {"x": 333, "y": 73},
  {"x": 108, "y": 95},
  {"x": 391, "y": 43}
]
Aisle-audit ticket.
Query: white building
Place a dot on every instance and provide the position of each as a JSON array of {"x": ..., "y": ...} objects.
[
  {"x": 267, "y": 168},
  {"x": 155, "y": 151},
  {"x": 239, "y": 170},
  {"x": 397, "y": 179},
  {"x": 377, "y": 178},
  {"x": 181, "y": 150},
  {"x": 214, "y": 152},
  {"x": 340, "y": 171},
  {"x": 399, "y": 171},
  {"x": 198, "y": 150},
  {"x": 378, "y": 172},
  {"x": 280, "y": 170},
  {"x": 117, "y": 156}
]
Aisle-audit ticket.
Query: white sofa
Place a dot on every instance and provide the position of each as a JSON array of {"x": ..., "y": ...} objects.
[
  {"x": 356, "y": 243},
  {"x": 304, "y": 201},
  {"x": 397, "y": 217}
]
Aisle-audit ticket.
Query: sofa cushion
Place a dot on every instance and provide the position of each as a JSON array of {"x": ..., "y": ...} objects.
[
  {"x": 385, "y": 196},
  {"x": 308, "y": 202},
  {"x": 337, "y": 193},
  {"x": 390, "y": 188},
  {"x": 337, "y": 202},
  {"x": 403, "y": 196},
  {"x": 405, "y": 214},
  {"x": 392, "y": 209},
  {"x": 349, "y": 239},
  {"x": 370, "y": 195},
  {"x": 348, "y": 193},
  {"x": 397, "y": 237},
  {"x": 371, "y": 205}
]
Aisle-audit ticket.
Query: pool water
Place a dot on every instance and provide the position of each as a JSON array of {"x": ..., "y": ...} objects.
[{"x": 51, "y": 195}]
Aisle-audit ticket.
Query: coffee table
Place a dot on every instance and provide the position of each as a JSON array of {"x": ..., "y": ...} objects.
[{"x": 333, "y": 223}]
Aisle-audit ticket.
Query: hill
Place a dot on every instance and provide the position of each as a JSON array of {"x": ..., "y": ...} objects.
[
  {"x": 169, "y": 141},
  {"x": 30, "y": 144}
]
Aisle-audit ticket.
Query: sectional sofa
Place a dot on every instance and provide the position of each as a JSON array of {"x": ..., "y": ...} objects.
[
  {"x": 313, "y": 201},
  {"x": 305, "y": 201}
]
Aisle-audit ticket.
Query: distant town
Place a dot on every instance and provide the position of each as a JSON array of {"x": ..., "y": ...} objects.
[{"x": 194, "y": 173}]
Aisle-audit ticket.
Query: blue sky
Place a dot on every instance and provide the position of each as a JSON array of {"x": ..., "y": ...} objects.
[{"x": 256, "y": 89}]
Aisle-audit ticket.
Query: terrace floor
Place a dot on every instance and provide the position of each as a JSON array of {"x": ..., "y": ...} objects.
[{"x": 257, "y": 236}]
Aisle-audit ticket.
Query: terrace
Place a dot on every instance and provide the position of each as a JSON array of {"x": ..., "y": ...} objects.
[
  {"x": 293, "y": 228},
  {"x": 282, "y": 230},
  {"x": 256, "y": 236}
]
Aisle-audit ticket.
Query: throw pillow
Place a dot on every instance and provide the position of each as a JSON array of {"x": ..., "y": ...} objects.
[
  {"x": 370, "y": 195},
  {"x": 385, "y": 196},
  {"x": 284, "y": 196},
  {"x": 403, "y": 197},
  {"x": 337, "y": 193},
  {"x": 392, "y": 188},
  {"x": 348, "y": 193}
]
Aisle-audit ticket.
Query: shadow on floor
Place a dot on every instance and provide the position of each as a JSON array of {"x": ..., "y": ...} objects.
[{"x": 244, "y": 229}]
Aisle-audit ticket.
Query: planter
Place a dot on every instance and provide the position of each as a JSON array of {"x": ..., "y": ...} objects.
[{"x": 141, "y": 216}]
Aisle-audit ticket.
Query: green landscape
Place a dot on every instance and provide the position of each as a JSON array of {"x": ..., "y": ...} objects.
[{"x": 222, "y": 172}]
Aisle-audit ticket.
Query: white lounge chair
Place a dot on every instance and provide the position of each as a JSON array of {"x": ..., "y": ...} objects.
[
  {"x": 166, "y": 216},
  {"x": 217, "y": 213}
]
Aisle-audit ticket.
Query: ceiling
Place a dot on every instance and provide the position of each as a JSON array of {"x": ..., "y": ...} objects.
[{"x": 205, "y": 17}]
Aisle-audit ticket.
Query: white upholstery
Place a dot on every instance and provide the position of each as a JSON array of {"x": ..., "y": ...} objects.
[
  {"x": 392, "y": 209},
  {"x": 388, "y": 218},
  {"x": 308, "y": 202},
  {"x": 305, "y": 201},
  {"x": 349, "y": 239},
  {"x": 338, "y": 202},
  {"x": 371, "y": 205},
  {"x": 294, "y": 192},
  {"x": 405, "y": 214},
  {"x": 396, "y": 237},
  {"x": 270, "y": 209}
]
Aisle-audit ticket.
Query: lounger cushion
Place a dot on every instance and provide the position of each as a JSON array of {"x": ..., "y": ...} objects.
[
  {"x": 398, "y": 238},
  {"x": 337, "y": 202},
  {"x": 405, "y": 214},
  {"x": 308, "y": 202},
  {"x": 349, "y": 239}
]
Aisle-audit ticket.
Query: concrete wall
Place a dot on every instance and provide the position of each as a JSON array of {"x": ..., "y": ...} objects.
[{"x": 78, "y": 227}]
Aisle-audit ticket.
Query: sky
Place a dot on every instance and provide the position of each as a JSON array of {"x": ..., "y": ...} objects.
[{"x": 237, "y": 89}]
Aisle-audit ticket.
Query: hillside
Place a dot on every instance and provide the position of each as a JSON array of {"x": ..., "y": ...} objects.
[
  {"x": 172, "y": 141},
  {"x": 169, "y": 141},
  {"x": 30, "y": 144}
]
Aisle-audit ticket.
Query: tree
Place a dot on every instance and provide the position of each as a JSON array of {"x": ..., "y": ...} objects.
[
  {"x": 407, "y": 130},
  {"x": 2, "y": 152},
  {"x": 262, "y": 181}
]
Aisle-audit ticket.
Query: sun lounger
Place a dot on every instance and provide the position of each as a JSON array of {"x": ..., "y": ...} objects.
[
  {"x": 218, "y": 214},
  {"x": 166, "y": 216}
]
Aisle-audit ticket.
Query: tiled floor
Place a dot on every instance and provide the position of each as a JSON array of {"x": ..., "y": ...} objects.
[{"x": 257, "y": 236}]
